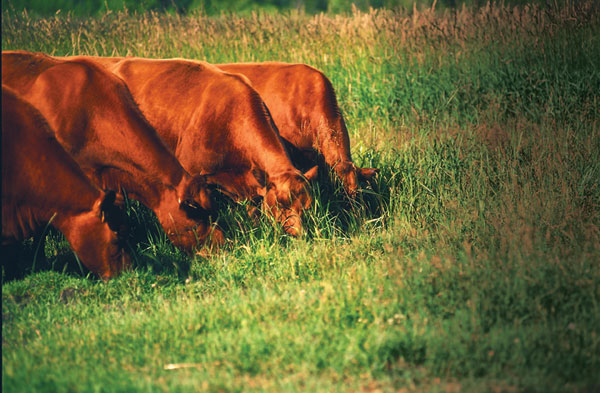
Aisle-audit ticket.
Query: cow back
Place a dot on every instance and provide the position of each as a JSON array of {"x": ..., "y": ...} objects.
[
  {"x": 95, "y": 119},
  {"x": 216, "y": 123},
  {"x": 212, "y": 120},
  {"x": 304, "y": 105},
  {"x": 98, "y": 122}
]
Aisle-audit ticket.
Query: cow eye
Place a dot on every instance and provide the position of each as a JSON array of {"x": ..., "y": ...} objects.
[
  {"x": 192, "y": 205},
  {"x": 194, "y": 210}
]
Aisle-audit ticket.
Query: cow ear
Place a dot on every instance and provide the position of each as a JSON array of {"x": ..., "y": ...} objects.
[
  {"x": 196, "y": 184},
  {"x": 119, "y": 199},
  {"x": 107, "y": 205},
  {"x": 197, "y": 191},
  {"x": 109, "y": 198},
  {"x": 367, "y": 173},
  {"x": 312, "y": 173}
]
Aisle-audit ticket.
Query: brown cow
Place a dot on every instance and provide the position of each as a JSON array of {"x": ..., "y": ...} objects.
[
  {"x": 41, "y": 183},
  {"x": 303, "y": 104},
  {"x": 217, "y": 124},
  {"x": 98, "y": 123}
]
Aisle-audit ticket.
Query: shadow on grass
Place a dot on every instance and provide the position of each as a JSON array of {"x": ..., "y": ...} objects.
[
  {"x": 336, "y": 214},
  {"x": 146, "y": 243},
  {"x": 333, "y": 214},
  {"x": 47, "y": 250}
]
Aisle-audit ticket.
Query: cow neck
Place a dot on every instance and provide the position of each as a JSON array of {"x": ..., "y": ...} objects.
[
  {"x": 271, "y": 157},
  {"x": 21, "y": 221},
  {"x": 29, "y": 217},
  {"x": 150, "y": 150},
  {"x": 276, "y": 167},
  {"x": 141, "y": 188},
  {"x": 332, "y": 141},
  {"x": 140, "y": 162},
  {"x": 267, "y": 148}
]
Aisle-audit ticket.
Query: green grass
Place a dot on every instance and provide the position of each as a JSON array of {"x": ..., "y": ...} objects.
[{"x": 471, "y": 264}]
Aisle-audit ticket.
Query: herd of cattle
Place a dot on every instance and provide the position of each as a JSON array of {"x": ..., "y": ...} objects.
[{"x": 77, "y": 131}]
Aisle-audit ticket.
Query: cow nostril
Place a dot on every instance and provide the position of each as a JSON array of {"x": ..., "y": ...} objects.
[
  {"x": 292, "y": 225},
  {"x": 352, "y": 191}
]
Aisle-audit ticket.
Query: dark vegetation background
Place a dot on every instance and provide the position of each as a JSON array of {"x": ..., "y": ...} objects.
[{"x": 214, "y": 7}]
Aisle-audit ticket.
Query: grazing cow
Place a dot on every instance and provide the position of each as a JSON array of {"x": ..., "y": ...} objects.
[
  {"x": 41, "y": 184},
  {"x": 303, "y": 104},
  {"x": 97, "y": 122},
  {"x": 217, "y": 124}
]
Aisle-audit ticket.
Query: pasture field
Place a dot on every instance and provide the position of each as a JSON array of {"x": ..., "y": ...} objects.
[{"x": 471, "y": 264}]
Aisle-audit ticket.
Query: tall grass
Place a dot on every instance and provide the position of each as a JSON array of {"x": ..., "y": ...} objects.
[
  {"x": 472, "y": 263},
  {"x": 87, "y": 8}
]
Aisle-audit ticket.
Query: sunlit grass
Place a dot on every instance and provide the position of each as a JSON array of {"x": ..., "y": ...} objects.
[{"x": 471, "y": 263}]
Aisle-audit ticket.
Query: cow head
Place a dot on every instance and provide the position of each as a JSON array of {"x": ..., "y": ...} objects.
[
  {"x": 196, "y": 196},
  {"x": 95, "y": 243},
  {"x": 350, "y": 175},
  {"x": 185, "y": 214},
  {"x": 287, "y": 196}
]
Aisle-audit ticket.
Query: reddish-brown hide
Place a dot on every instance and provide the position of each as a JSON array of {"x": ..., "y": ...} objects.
[
  {"x": 303, "y": 104},
  {"x": 98, "y": 123},
  {"x": 217, "y": 124},
  {"x": 41, "y": 183}
]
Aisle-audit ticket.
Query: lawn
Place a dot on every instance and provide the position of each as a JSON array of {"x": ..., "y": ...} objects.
[{"x": 471, "y": 264}]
